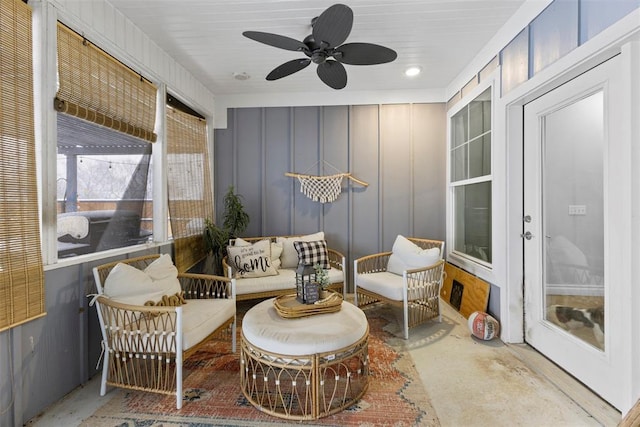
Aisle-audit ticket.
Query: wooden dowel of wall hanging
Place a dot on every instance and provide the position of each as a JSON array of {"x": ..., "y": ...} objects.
[
  {"x": 348, "y": 175},
  {"x": 364, "y": 184}
]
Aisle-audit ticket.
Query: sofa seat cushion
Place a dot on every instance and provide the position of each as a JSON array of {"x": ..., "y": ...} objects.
[
  {"x": 200, "y": 317},
  {"x": 286, "y": 279}
]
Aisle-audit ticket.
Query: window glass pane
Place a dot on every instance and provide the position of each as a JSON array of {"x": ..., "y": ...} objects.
[
  {"x": 480, "y": 156},
  {"x": 472, "y": 222},
  {"x": 596, "y": 15},
  {"x": 480, "y": 114},
  {"x": 514, "y": 59},
  {"x": 459, "y": 164},
  {"x": 103, "y": 188},
  {"x": 459, "y": 124},
  {"x": 553, "y": 33}
]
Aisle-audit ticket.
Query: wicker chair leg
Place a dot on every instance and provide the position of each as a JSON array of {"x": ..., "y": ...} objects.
[
  {"x": 405, "y": 317},
  {"x": 233, "y": 335},
  {"x": 105, "y": 370}
]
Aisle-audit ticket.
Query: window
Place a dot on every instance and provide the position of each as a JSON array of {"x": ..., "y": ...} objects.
[
  {"x": 470, "y": 179},
  {"x": 106, "y": 117}
]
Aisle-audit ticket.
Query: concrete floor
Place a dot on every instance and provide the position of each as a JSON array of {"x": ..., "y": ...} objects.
[{"x": 470, "y": 382}]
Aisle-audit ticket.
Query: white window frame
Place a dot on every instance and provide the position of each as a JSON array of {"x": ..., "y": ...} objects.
[{"x": 476, "y": 266}]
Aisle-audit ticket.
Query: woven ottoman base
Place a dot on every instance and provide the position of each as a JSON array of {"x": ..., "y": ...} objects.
[{"x": 303, "y": 386}]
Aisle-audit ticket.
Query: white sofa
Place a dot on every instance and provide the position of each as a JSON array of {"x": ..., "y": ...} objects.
[{"x": 284, "y": 260}]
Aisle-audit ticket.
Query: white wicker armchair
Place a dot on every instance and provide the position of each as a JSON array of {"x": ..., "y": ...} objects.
[
  {"x": 417, "y": 291},
  {"x": 144, "y": 346}
]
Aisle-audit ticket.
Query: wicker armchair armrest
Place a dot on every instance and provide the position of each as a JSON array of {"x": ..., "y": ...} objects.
[
  {"x": 227, "y": 269},
  {"x": 206, "y": 286},
  {"x": 374, "y": 263},
  {"x": 139, "y": 329},
  {"x": 425, "y": 282},
  {"x": 336, "y": 259}
]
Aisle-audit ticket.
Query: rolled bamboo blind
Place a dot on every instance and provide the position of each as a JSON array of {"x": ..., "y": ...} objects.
[
  {"x": 21, "y": 271},
  {"x": 189, "y": 185},
  {"x": 95, "y": 86}
]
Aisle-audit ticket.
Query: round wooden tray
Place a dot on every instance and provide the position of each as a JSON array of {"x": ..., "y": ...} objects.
[{"x": 289, "y": 307}]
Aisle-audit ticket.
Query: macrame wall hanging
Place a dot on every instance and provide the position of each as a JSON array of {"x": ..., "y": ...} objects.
[{"x": 323, "y": 188}]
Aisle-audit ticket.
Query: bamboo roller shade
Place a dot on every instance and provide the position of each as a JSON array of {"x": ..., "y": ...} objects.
[
  {"x": 21, "y": 272},
  {"x": 96, "y": 87},
  {"x": 189, "y": 185}
]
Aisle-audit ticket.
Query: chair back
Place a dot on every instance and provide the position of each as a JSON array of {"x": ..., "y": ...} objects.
[
  {"x": 101, "y": 272},
  {"x": 428, "y": 244}
]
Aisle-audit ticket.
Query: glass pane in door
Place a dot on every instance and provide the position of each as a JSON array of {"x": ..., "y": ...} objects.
[{"x": 573, "y": 218}]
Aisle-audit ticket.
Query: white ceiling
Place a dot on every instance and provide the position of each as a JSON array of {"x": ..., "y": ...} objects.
[{"x": 205, "y": 36}]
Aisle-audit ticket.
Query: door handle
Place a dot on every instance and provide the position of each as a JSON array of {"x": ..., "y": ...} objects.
[{"x": 527, "y": 235}]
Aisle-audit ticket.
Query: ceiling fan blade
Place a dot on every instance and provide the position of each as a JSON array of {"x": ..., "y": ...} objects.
[
  {"x": 288, "y": 68},
  {"x": 276, "y": 40},
  {"x": 333, "y": 25},
  {"x": 333, "y": 74},
  {"x": 364, "y": 54}
]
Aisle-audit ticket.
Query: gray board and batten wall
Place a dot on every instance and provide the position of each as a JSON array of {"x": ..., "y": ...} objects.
[{"x": 398, "y": 149}]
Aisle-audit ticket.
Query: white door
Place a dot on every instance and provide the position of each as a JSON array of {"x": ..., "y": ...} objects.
[{"x": 573, "y": 283}]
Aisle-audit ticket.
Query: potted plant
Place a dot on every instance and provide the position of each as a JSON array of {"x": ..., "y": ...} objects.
[{"x": 234, "y": 221}]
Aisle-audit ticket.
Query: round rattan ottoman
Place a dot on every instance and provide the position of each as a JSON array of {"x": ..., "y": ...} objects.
[{"x": 304, "y": 368}]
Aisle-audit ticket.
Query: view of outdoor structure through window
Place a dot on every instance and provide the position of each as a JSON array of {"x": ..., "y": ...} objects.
[
  {"x": 103, "y": 188},
  {"x": 471, "y": 178}
]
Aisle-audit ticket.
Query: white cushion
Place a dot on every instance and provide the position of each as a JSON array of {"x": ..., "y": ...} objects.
[
  {"x": 252, "y": 260},
  {"x": 387, "y": 284},
  {"x": 286, "y": 279},
  {"x": 263, "y": 327},
  {"x": 406, "y": 255},
  {"x": 276, "y": 251},
  {"x": 200, "y": 317},
  {"x": 289, "y": 256},
  {"x": 129, "y": 285}
]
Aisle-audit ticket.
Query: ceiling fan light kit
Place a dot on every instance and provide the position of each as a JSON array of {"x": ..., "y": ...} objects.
[{"x": 324, "y": 47}]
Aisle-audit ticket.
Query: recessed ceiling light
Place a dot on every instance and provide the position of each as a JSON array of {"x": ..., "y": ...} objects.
[
  {"x": 412, "y": 71},
  {"x": 241, "y": 76}
]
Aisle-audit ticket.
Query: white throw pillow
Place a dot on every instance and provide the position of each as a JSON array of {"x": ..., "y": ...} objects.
[
  {"x": 406, "y": 255},
  {"x": 276, "y": 251},
  {"x": 162, "y": 268},
  {"x": 252, "y": 260},
  {"x": 289, "y": 256},
  {"x": 129, "y": 285}
]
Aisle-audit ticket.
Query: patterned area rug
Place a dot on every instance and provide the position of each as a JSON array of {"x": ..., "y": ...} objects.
[{"x": 395, "y": 397}]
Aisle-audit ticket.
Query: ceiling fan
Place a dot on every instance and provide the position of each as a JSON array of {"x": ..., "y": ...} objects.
[{"x": 329, "y": 31}]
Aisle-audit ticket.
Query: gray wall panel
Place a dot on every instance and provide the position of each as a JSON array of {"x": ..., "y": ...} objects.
[
  {"x": 278, "y": 187},
  {"x": 250, "y": 155},
  {"x": 306, "y": 136},
  {"x": 397, "y": 184},
  {"x": 429, "y": 170},
  {"x": 364, "y": 151},
  {"x": 335, "y": 159}
]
